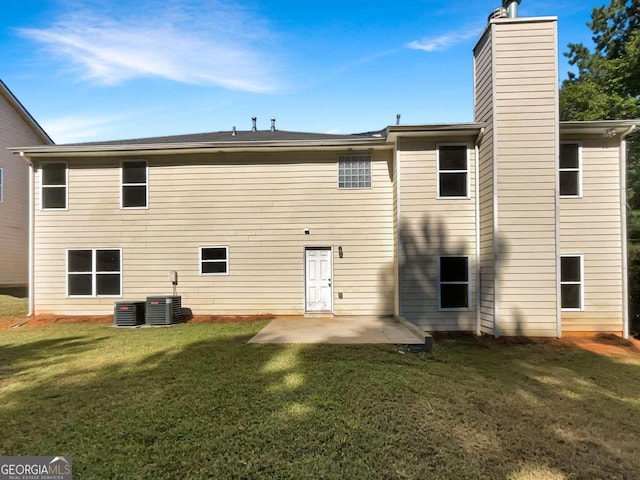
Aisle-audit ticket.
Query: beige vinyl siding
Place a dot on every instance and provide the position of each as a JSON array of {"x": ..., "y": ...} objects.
[
  {"x": 525, "y": 57},
  {"x": 256, "y": 204},
  {"x": 14, "y": 209},
  {"x": 433, "y": 227},
  {"x": 484, "y": 114},
  {"x": 591, "y": 226}
]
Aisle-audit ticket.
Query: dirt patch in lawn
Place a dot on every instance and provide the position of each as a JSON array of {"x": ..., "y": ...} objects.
[{"x": 604, "y": 344}]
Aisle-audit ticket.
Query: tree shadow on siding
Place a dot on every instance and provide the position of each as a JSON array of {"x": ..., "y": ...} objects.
[{"x": 421, "y": 248}]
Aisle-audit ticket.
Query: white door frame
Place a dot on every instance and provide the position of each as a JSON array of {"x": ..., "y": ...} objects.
[{"x": 304, "y": 261}]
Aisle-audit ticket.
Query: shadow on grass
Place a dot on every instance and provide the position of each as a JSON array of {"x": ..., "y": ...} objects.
[{"x": 218, "y": 407}]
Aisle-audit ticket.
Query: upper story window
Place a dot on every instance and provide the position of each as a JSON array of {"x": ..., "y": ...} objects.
[
  {"x": 134, "y": 184},
  {"x": 354, "y": 171},
  {"x": 453, "y": 171},
  {"x": 571, "y": 282},
  {"x": 54, "y": 186},
  {"x": 94, "y": 272},
  {"x": 214, "y": 260},
  {"x": 454, "y": 292},
  {"x": 570, "y": 163},
  {"x": 1, "y": 186}
]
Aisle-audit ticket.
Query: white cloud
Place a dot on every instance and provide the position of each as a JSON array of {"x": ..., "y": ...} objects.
[
  {"x": 210, "y": 45},
  {"x": 79, "y": 129},
  {"x": 446, "y": 41}
]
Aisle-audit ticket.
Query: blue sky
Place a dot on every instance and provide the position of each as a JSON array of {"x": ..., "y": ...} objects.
[{"x": 112, "y": 69}]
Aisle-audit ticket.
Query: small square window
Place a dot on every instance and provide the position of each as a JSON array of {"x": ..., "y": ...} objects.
[
  {"x": 570, "y": 163},
  {"x": 214, "y": 260},
  {"x": 453, "y": 171},
  {"x": 354, "y": 171}
]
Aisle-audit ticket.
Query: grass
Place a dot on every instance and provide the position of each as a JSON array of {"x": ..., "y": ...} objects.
[
  {"x": 196, "y": 401},
  {"x": 13, "y": 304}
]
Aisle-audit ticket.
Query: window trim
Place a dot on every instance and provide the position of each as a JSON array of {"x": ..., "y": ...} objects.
[
  {"x": 202, "y": 274},
  {"x": 93, "y": 272},
  {"x": 1, "y": 185},
  {"x": 581, "y": 257},
  {"x": 122, "y": 184},
  {"x": 65, "y": 186},
  {"x": 579, "y": 169},
  {"x": 467, "y": 172},
  {"x": 367, "y": 156},
  {"x": 469, "y": 284}
]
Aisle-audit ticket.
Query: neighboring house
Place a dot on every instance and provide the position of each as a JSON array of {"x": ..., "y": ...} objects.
[
  {"x": 512, "y": 225},
  {"x": 17, "y": 127}
]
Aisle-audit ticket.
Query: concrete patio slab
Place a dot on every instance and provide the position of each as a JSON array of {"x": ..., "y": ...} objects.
[{"x": 346, "y": 330}]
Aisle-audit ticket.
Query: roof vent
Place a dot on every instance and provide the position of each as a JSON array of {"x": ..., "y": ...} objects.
[
  {"x": 233, "y": 131},
  {"x": 273, "y": 124},
  {"x": 398, "y": 119},
  {"x": 254, "y": 128},
  {"x": 512, "y": 7}
]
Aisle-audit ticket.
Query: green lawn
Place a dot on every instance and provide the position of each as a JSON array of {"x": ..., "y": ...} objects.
[
  {"x": 12, "y": 305},
  {"x": 197, "y": 401}
]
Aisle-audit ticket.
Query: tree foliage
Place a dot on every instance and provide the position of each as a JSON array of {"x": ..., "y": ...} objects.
[
  {"x": 605, "y": 87},
  {"x": 607, "y": 83}
]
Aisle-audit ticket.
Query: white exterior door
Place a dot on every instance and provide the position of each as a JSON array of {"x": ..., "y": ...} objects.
[{"x": 319, "y": 294}]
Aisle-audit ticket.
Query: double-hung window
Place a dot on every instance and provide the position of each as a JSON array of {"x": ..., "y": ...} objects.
[
  {"x": 570, "y": 164},
  {"x": 572, "y": 282},
  {"x": 354, "y": 171},
  {"x": 134, "y": 184},
  {"x": 94, "y": 272},
  {"x": 214, "y": 260},
  {"x": 454, "y": 292},
  {"x": 453, "y": 171},
  {"x": 54, "y": 186}
]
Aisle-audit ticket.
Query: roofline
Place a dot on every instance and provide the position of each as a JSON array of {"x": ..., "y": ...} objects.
[
  {"x": 609, "y": 128},
  {"x": 13, "y": 100},
  {"x": 434, "y": 130},
  {"x": 201, "y": 147}
]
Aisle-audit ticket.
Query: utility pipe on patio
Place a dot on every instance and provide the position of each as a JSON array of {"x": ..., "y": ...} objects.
[
  {"x": 623, "y": 219},
  {"x": 477, "y": 194}
]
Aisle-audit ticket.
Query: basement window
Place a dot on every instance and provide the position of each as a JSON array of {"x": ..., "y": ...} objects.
[
  {"x": 571, "y": 282},
  {"x": 93, "y": 272},
  {"x": 354, "y": 171},
  {"x": 454, "y": 292},
  {"x": 452, "y": 171},
  {"x": 54, "y": 186},
  {"x": 570, "y": 162},
  {"x": 134, "y": 184},
  {"x": 214, "y": 260}
]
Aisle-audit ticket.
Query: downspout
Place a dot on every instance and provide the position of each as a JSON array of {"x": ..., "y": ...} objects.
[
  {"x": 623, "y": 221},
  {"x": 477, "y": 193},
  {"x": 31, "y": 301}
]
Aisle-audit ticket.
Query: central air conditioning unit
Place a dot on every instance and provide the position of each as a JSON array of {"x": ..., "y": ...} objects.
[
  {"x": 128, "y": 314},
  {"x": 163, "y": 310}
]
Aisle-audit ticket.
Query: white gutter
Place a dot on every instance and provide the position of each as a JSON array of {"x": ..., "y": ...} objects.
[
  {"x": 477, "y": 194},
  {"x": 623, "y": 221},
  {"x": 31, "y": 300}
]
